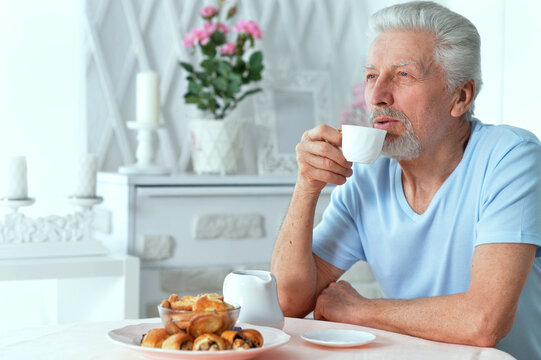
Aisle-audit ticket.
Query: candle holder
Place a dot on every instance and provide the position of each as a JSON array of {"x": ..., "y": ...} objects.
[
  {"x": 15, "y": 204},
  {"x": 146, "y": 151},
  {"x": 85, "y": 203}
]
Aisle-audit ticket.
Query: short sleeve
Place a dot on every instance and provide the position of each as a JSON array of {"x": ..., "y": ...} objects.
[
  {"x": 510, "y": 209},
  {"x": 336, "y": 238}
]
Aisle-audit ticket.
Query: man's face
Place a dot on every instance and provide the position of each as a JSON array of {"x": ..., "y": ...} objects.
[{"x": 406, "y": 92}]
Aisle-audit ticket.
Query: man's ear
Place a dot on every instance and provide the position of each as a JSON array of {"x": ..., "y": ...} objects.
[{"x": 463, "y": 98}]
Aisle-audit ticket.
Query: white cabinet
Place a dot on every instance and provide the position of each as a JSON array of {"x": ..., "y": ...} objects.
[{"x": 192, "y": 229}]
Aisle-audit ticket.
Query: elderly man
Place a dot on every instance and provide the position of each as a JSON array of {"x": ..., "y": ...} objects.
[{"x": 449, "y": 218}]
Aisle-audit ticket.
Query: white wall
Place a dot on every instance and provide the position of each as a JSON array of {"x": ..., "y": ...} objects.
[
  {"x": 40, "y": 82},
  {"x": 522, "y": 89}
]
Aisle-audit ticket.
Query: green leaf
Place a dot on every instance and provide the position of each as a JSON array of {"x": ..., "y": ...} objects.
[
  {"x": 256, "y": 60},
  {"x": 220, "y": 84},
  {"x": 209, "y": 49},
  {"x": 209, "y": 65},
  {"x": 218, "y": 38},
  {"x": 194, "y": 87},
  {"x": 202, "y": 106},
  {"x": 254, "y": 76},
  {"x": 203, "y": 77},
  {"x": 213, "y": 105},
  {"x": 224, "y": 68},
  {"x": 235, "y": 79},
  {"x": 191, "y": 99},
  {"x": 234, "y": 87},
  {"x": 188, "y": 67},
  {"x": 240, "y": 67}
]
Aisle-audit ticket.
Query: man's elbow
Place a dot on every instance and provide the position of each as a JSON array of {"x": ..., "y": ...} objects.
[
  {"x": 293, "y": 305},
  {"x": 488, "y": 331},
  {"x": 291, "y": 311}
]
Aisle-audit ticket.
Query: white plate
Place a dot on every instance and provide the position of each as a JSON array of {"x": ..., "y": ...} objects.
[
  {"x": 130, "y": 337},
  {"x": 338, "y": 338}
]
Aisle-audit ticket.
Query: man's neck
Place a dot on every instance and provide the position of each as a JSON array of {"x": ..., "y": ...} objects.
[{"x": 424, "y": 175}]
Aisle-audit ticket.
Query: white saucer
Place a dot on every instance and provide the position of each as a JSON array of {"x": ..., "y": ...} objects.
[{"x": 338, "y": 338}]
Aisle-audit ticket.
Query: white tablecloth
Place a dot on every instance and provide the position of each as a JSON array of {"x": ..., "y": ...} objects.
[{"x": 87, "y": 341}]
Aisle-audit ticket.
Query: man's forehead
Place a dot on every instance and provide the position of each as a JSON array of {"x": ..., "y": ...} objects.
[{"x": 402, "y": 48}]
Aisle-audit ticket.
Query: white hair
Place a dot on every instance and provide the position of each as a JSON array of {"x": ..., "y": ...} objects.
[{"x": 458, "y": 44}]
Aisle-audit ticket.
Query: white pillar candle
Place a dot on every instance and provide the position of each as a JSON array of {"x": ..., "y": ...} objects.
[
  {"x": 148, "y": 97},
  {"x": 17, "y": 184},
  {"x": 86, "y": 170}
]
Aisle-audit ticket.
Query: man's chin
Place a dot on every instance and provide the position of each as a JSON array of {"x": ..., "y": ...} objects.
[{"x": 400, "y": 152}]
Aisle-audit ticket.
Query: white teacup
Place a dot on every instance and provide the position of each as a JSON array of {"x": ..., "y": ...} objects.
[{"x": 362, "y": 144}]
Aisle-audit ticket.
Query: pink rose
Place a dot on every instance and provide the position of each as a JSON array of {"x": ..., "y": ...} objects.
[
  {"x": 229, "y": 49},
  {"x": 191, "y": 38},
  {"x": 204, "y": 36},
  {"x": 196, "y": 36},
  {"x": 209, "y": 12},
  {"x": 249, "y": 27},
  {"x": 212, "y": 27}
]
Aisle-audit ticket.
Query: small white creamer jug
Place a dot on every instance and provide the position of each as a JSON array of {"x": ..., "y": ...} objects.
[{"x": 255, "y": 291}]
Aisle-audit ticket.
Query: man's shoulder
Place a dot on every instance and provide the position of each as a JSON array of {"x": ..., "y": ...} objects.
[
  {"x": 502, "y": 134},
  {"x": 494, "y": 146}
]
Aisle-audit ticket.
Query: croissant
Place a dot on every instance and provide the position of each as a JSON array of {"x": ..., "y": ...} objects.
[
  {"x": 179, "y": 341},
  {"x": 210, "y": 302},
  {"x": 209, "y": 342},
  {"x": 172, "y": 328},
  {"x": 185, "y": 303},
  {"x": 154, "y": 338},
  {"x": 244, "y": 339},
  {"x": 208, "y": 323}
]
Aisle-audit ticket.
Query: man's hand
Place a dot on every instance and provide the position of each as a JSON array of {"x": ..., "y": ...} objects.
[
  {"x": 339, "y": 302},
  {"x": 320, "y": 159}
]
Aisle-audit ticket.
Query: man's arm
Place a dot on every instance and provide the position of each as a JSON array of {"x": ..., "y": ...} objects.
[
  {"x": 481, "y": 316},
  {"x": 300, "y": 275}
]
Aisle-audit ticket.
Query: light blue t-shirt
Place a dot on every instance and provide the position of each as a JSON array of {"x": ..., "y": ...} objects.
[{"x": 493, "y": 196}]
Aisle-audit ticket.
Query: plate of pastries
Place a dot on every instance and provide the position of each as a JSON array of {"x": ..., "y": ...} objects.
[{"x": 202, "y": 326}]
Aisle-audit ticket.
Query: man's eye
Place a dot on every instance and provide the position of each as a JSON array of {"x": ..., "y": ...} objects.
[
  {"x": 370, "y": 76},
  {"x": 403, "y": 73}
]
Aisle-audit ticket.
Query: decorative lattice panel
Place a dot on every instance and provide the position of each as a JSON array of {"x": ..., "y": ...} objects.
[{"x": 124, "y": 37}]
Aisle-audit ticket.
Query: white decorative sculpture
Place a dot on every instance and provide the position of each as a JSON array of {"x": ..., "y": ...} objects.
[
  {"x": 69, "y": 235},
  {"x": 25, "y": 237}
]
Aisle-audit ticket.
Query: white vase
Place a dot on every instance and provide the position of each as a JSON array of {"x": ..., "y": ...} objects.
[{"x": 216, "y": 145}]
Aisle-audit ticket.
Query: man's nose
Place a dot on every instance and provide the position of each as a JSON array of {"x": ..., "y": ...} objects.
[{"x": 382, "y": 94}]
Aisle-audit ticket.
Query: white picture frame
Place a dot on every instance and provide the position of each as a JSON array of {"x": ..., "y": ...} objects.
[{"x": 291, "y": 102}]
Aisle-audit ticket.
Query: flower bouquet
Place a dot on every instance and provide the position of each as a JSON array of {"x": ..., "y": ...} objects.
[{"x": 217, "y": 86}]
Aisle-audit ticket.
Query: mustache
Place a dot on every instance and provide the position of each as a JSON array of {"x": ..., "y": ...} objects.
[{"x": 388, "y": 112}]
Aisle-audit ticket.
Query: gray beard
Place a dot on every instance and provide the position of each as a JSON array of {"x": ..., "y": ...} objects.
[{"x": 404, "y": 147}]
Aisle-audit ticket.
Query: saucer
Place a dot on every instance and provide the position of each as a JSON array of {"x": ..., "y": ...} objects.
[{"x": 338, "y": 338}]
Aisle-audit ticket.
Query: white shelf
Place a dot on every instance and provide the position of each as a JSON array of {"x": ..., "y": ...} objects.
[{"x": 64, "y": 267}]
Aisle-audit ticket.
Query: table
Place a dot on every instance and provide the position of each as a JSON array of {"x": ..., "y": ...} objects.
[{"x": 85, "y": 341}]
